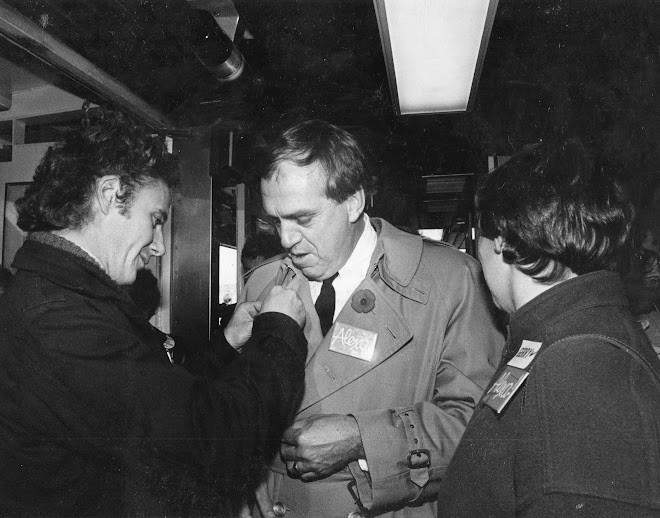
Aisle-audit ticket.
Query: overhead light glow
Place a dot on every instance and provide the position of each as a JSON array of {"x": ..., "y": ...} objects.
[{"x": 434, "y": 50}]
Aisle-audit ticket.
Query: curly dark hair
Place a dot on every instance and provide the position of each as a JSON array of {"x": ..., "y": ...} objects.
[
  {"x": 554, "y": 211},
  {"x": 335, "y": 149},
  {"x": 108, "y": 143}
]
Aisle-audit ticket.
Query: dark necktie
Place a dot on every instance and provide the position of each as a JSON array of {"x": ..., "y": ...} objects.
[{"x": 325, "y": 304}]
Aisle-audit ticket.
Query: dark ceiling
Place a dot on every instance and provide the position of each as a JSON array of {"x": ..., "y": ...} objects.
[
  {"x": 302, "y": 55},
  {"x": 553, "y": 68}
]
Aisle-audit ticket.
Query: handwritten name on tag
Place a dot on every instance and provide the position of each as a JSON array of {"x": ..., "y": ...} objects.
[
  {"x": 525, "y": 355},
  {"x": 353, "y": 341},
  {"x": 504, "y": 388},
  {"x": 513, "y": 376}
]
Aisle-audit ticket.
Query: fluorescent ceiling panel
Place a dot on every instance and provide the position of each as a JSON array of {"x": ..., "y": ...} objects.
[{"x": 434, "y": 50}]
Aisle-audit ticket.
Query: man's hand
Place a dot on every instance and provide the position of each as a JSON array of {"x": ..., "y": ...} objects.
[
  {"x": 318, "y": 446},
  {"x": 239, "y": 328}
]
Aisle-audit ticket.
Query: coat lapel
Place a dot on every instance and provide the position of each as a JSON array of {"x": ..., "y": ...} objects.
[
  {"x": 312, "y": 324},
  {"x": 398, "y": 274},
  {"x": 328, "y": 371}
]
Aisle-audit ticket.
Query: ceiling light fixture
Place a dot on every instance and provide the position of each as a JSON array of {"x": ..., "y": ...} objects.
[{"x": 434, "y": 51}]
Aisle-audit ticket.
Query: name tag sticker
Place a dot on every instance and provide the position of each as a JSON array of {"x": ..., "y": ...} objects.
[
  {"x": 504, "y": 388},
  {"x": 525, "y": 355},
  {"x": 353, "y": 341}
]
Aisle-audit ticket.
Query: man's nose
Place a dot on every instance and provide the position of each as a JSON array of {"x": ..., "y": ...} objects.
[
  {"x": 289, "y": 236},
  {"x": 157, "y": 246}
]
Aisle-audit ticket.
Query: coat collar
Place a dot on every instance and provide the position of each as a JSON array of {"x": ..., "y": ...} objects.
[
  {"x": 532, "y": 320},
  {"x": 69, "y": 266},
  {"x": 396, "y": 257},
  {"x": 397, "y": 260},
  {"x": 397, "y": 253},
  {"x": 65, "y": 264}
]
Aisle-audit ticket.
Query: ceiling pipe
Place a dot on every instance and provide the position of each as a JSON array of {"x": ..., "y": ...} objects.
[
  {"x": 32, "y": 38},
  {"x": 215, "y": 42}
]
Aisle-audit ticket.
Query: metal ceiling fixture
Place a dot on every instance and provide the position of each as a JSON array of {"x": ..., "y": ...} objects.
[
  {"x": 214, "y": 45},
  {"x": 434, "y": 51}
]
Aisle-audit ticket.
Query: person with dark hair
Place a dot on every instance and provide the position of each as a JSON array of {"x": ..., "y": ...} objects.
[
  {"x": 94, "y": 418},
  {"x": 257, "y": 249},
  {"x": 401, "y": 339},
  {"x": 570, "y": 423}
]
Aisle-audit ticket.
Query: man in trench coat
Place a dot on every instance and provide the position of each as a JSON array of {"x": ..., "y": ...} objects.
[{"x": 393, "y": 383}]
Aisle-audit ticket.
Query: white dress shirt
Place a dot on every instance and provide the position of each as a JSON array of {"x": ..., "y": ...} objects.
[
  {"x": 350, "y": 276},
  {"x": 353, "y": 272}
]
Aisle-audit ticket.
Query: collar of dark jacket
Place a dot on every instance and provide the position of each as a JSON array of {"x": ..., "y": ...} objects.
[
  {"x": 67, "y": 265},
  {"x": 589, "y": 290}
]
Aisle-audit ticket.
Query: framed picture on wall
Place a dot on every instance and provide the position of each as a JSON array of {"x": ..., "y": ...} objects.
[{"x": 13, "y": 236}]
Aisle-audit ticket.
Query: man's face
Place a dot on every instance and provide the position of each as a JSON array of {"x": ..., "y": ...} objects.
[
  {"x": 136, "y": 235},
  {"x": 318, "y": 233}
]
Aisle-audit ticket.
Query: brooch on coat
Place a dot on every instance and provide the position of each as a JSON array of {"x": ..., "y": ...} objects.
[
  {"x": 169, "y": 347},
  {"x": 363, "y": 301}
]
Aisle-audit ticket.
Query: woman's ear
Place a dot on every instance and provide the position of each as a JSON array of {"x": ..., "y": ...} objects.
[{"x": 107, "y": 188}]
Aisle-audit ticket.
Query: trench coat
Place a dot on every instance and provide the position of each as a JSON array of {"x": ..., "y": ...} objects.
[{"x": 437, "y": 347}]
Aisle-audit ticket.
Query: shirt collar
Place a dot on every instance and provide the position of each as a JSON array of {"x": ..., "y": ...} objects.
[
  {"x": 357, "y": 265},
  {"x": 354, "y": 270}
]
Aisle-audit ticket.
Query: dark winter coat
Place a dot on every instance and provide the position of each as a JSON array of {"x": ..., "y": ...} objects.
[
  {"x": 581, "y": 437},
  {"x": 96, "y": 421}
]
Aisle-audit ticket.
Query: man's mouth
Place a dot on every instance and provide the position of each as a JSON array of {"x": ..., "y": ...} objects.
[{"x": 298, "y": 257}]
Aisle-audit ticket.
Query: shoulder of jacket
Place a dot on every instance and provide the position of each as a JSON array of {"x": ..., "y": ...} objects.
[
  {"x": 265, "y": 272},
  {"x": 31, "y": 292},
  {"x": 438, "y": 252},
  {"x": 581, "y": 351}
]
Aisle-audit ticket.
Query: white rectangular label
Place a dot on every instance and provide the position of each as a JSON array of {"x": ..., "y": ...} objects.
[
  {"x": 527, "y": 352},
  {"x": 353, "y": 341}
]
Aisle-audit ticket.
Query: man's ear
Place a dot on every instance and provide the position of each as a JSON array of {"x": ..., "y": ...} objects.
[
  {"x": 355, "y": 205},
  {"x": 499, "y": 244},
  {"x": 107, "y": 189}
]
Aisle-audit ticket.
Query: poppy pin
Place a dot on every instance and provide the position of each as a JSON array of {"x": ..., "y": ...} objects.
[{"x": 363, "y": 301}]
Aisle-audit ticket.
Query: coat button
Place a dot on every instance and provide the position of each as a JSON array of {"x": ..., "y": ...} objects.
[
  {"x": 355, "y": 514},
  {"x": 279, "y": 509}
]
